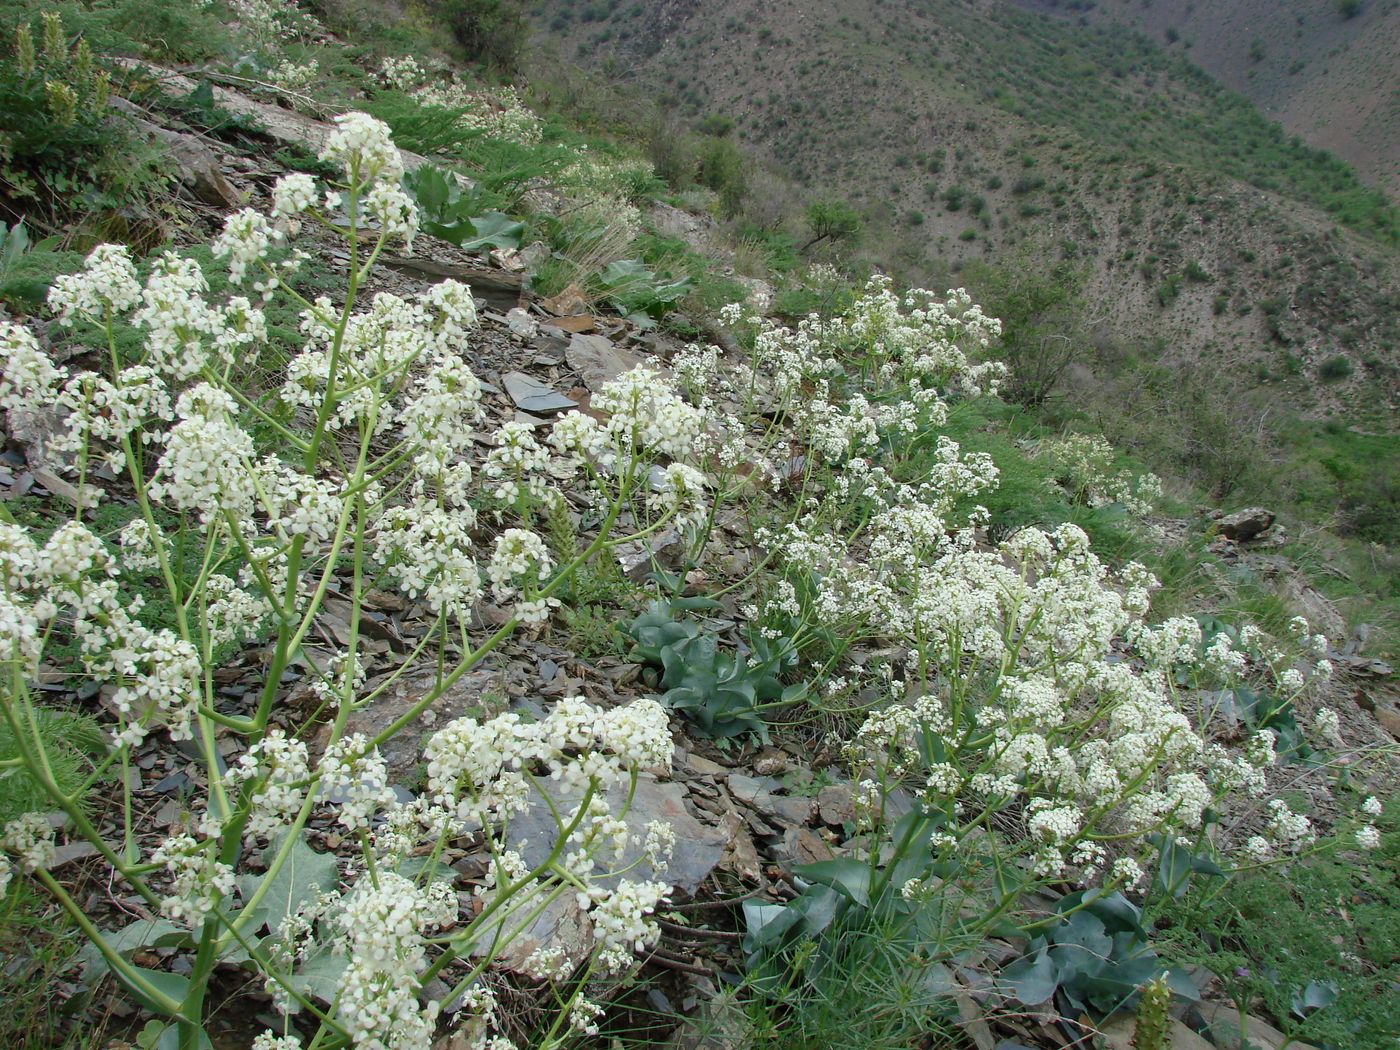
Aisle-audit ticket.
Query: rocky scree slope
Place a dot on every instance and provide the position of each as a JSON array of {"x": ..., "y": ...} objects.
[{"x": 983, "y": 133}]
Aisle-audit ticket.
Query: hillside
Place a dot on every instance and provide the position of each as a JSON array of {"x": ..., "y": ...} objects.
[
  {"x": 1328, "y": 72},
  {"x": 486, "y": 567},
  {"x": 965, "y": 131}
]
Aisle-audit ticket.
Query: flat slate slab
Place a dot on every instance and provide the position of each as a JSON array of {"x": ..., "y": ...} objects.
[
  {"x": 698, "y": 848},
  {"x": 530, "y": 395}
]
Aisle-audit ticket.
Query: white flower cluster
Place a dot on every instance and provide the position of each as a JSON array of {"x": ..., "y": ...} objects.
[
  {"x": 1034, "y": 701},
  {"x": 643, "y": 413},
  {"x": 496, "y": 113},
  {"x": 401, "y": 73},
  {"x": 291, "y": 76},
  {"x": 198, "y": 878},
  {"x": 107, "y": 284},
  {"x": 154, "y": 675},
  {"x": 429, "y": 550},
  {"x": 519, "y": 564},
  {"x": 270, "y": 25},
  {"x": 679, "y": 490},
  {"x": 1085, "y": 465},
  {"x": 384, "y": 922},
  {"x": 517, "y": 465},
  {"x": 918, "y": 344},
  {"x": 357, "y": 780},
  {"x": 29, "y": 837},
  {"x": 27, "y": 375},
  {"x": 278, "y": 767},
  {"x": 620, "y": 923},
  {"x": 1287, "y": 830},
  {"x": 362, "y": 148},
  {"x": 477, "y": 769}
]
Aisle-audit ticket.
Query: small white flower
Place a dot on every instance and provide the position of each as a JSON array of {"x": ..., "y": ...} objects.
[
  {"x": 30, "y": 838},
  {"x": 107, "y": 282}
]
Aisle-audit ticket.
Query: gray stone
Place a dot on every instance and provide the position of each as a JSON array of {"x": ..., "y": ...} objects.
[
  {"x": 530, "y": 394},
  {"x": 1225, "y": 1024},
  {"x": 598, "y": 361},
  {"x": 744, "y": 788},
  {"x": 740, "y": 854},
  {"x": 522, "y": 324},
  {"x": 800, "y": 846},
  {"x": 532, "y": 255},
  {"x": 837, "y": 805},
  {"x": 770, "y": 762},
  {"x": 698, "y": 848},
  {"x": 784, "y": 809},
  {"x": 197, "y": 167},
  {"x": 1245, "y": 525},
  {"x": 283, "y": 125},
  {"x": 404, "y": 750},
  {"x": 562, "y": 924},
  {"x": 635, "y": 557},
  {"x": 702, "y": 765}
]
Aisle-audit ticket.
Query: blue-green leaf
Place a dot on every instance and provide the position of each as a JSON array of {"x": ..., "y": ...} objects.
[
  {"x": 1030, "y": 980},
  {"x": 301, "y": 878},
  {"x": 845, "y": 874}
]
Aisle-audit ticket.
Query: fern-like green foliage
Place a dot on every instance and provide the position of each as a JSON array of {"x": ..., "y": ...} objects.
[{"x": 72, "y": 741}]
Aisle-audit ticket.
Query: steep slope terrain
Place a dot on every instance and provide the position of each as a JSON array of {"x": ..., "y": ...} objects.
[
  {"x": 446, "y": 603},
  {"x": 1328, "y": 72},
  {"x": 981, "y": 131}
]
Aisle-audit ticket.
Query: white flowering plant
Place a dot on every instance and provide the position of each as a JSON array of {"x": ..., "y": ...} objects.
[
  {"x": 251, "y": 502},
  {"x": 490, "y": 112},
  {"x": 1085, "y": 465},
  {"x": 1029, "y": 725}
]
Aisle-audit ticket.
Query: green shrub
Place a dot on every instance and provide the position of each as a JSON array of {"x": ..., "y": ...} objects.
[
  {"x": 832, "y": 221},
  {"x": 717, "y": 125},
  {"x": 162, "y": 29},
  {"x": 720, "y": 167},
  {"x": 60, "y": 147},
  {"x": 492, "y": 32},
  {"x": 1169, "y": 290},
  {"x": 422, "y": 129},
  {"x": 1335, "y": 368}
]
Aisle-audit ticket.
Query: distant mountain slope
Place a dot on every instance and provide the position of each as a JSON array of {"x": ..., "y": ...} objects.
[
  {"x": 970, "y": 130},
  {"x": 1327, "y": 70}
]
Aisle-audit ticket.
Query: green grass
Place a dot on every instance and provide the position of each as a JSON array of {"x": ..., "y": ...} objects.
[
  {"x": 1327, "y": 918},
  {"x": 865, "y": 990},
  {"x": 1358, "y": 476},
  {"x": 40, "y": 946},
  {"x": 72, "y": 740}
]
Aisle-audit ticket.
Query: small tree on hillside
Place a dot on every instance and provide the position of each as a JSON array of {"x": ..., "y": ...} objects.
[
  {"x": 491, "y": 32},
  {"x": 1044, "y": 322},
  {"x": 721, "y": 168},
  {"x": 831, "y": 221}
]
